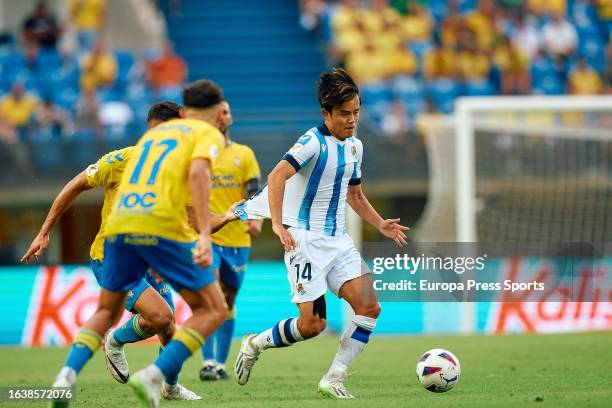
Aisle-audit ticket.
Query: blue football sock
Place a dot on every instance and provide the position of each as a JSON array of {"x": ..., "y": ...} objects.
[
  {"x": 83, "y": 348},
  {"x": 208, "y": 348},
  {"x": 170, "y": 378},
  {"x": 184, "y": 343},
  {"x": 130, "y": 332},
  {"x": 224, "y": 339}
]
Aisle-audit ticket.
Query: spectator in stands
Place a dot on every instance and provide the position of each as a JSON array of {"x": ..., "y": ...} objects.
[
  {"x": 41, "y": 28},
  {"x": 544, "y": 7},
  {"x": 402, "y": 62},
  {"x": 87, "y": 113},
  {"x": 604, "y": 12},
  {"x": 17, "y": 108},
  {"x": 559, "y": 37},
  {"x": 526, "y": 36},
  {"x": 394, "y": 123},
  {"x": 472, "y": 62},
  {"x": 348, "y": 30},
  {"x": 514, "y": 67},
  {"x": 584, "y": 80},
  {"x": 88, "y": 17},
  {"x": 417, "y": 24},
  {"x": 369, "y": 65},
  {"x": 382, "y": 24},
  {"x": 440, "y": 63},
  {"x": 50, "y": 116},
  {"x": 98, "y": 68},
  {"x": 168, "y": 70},
  {"x": 452, "y": 25},
  {"x": 481, "y": 22}
]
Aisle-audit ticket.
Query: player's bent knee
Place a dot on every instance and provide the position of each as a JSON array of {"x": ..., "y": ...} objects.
[
  {"x": 312, "y": 327},
  {"x": 162, "y": 320},
  {"x": 369, "y": 309}
]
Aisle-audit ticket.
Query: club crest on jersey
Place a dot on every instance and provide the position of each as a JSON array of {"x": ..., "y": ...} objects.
[
  {"x": 237, "y": 161},
  {"x": 300, "y": 289},
  {"x": 354, "y": 150}
]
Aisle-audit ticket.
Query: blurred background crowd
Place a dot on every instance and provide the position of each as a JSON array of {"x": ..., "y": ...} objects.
[
  {"x": 60, "y": 81},
  {"x": 414, "y": 56}
]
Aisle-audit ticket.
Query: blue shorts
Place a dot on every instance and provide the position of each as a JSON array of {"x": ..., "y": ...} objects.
[
  {"x": 149, "y": 281},
  {"x": 231, "y": 263},
  {"x": 128, "y": 257}
]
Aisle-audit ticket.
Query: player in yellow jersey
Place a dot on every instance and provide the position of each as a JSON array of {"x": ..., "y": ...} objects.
[
  {"x": 147, "y": 228},
  {"x": 151, "y": 299},
  {"x": 236, "y": 175}
]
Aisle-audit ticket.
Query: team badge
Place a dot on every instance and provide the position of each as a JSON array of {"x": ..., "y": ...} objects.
[
  {"x": 237, "y": 161},
  {"x": 354, "y": 150},
  {"x": 300, "y": 289}
]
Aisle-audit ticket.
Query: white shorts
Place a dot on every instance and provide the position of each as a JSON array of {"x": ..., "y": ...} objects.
[{"x": 321, "y": 262}]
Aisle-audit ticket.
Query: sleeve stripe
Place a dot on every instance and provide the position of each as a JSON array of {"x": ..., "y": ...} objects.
[
  {"x": 354, "y": 182},
  {"x": 292, "y": 162}
]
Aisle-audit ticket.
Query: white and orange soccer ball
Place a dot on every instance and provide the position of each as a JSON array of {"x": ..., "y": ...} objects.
[{"x": 438, "y": 370}]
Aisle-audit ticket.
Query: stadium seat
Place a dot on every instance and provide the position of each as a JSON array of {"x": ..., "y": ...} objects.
[
  {"x": 82, "y": 146},
  {"x": 409, "y": 91},
  {"x": 478, "y": 87},
  {"x": 442, "y": 93},
  {"x": 46, "y": 148}
]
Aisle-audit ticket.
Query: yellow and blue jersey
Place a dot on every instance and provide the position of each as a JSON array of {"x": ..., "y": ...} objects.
[
  {"x": 107, "y": 173},
  {"x": 234, "y": 168},
  {"x": 154, "y": 191}
]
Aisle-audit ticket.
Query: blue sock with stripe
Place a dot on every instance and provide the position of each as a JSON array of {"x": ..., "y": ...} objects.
[
  {"x": 282, "y": 334},
  {"x": 171, "y": 379},
  {"x": 130, "y": 332},
  {"x": 353, "y": 340},
  {"x": 184, "y": 343},
  {"x": 83, "y": 348}
]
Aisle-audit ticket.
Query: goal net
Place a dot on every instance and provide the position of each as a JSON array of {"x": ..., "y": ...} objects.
[{"x": 511, "y": 170}]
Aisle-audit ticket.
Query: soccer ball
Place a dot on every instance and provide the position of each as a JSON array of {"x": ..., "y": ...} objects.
[{"x": 438, "y": 370}]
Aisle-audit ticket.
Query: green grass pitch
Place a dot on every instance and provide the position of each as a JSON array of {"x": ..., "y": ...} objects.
[{"x": 572, "y": 370}]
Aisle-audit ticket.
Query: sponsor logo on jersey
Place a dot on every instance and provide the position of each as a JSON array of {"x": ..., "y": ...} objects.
[
  {"x": 296, "y": 148},
  {"x": 354, "y": 150}
]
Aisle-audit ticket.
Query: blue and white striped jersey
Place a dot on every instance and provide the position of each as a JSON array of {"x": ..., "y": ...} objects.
[{"x": 315, "y": 197}]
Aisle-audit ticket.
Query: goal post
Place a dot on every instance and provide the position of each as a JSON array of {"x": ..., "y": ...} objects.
[{"x": 497, "y": 147}]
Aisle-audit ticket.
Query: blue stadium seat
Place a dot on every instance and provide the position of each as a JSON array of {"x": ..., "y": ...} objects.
[
  {"x": 125, "y": 62},
  {"x": 442, "y": 93},
  {"x": 545, "y": 78},
  {"x": 410, "y": 92},
  {"x": 376, "y": 99},
  {"x": 478, "y": 87},
  {"x": 46, "y": 148},
  {"x": 593, "y": 50},
  {"x": 82, "y": 148}
]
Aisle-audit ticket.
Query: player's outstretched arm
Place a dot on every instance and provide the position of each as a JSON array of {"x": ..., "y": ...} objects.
[
  {"x": 390, "y": 228},
  {"x": 199, "y": 184},
  {"x": 64, "y": 199},
  {"x": 276, "y": 192},
  {"x": 216, "y": 221}
]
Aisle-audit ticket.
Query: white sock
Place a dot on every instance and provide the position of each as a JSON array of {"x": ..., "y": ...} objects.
[
  {"x": 220, "y": 366},
  {"x": 154, "y": 373},
  {"x": 68, "y": 373},
  {"x": 352, "y": 342},
  {"x": 282, "y": 334}
]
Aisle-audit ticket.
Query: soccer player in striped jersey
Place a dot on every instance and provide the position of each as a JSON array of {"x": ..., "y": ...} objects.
[
  {"x": 236, "y": 174},
  {"x": 308, "y": 190}
]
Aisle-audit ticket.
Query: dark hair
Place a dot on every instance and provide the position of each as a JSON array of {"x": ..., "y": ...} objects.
[
  {"x": 335, "y": 88},
  {"x": 202, "y": 94},
  {"x": 164, "y": 111}
]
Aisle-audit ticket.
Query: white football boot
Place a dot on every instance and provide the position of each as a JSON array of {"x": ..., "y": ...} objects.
[
  {"x": 247, "y": 356},
  {"x": 332, "y": 386},
  {"x": 178, "y": 392},
  {"x": 114, "y": 357}
]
